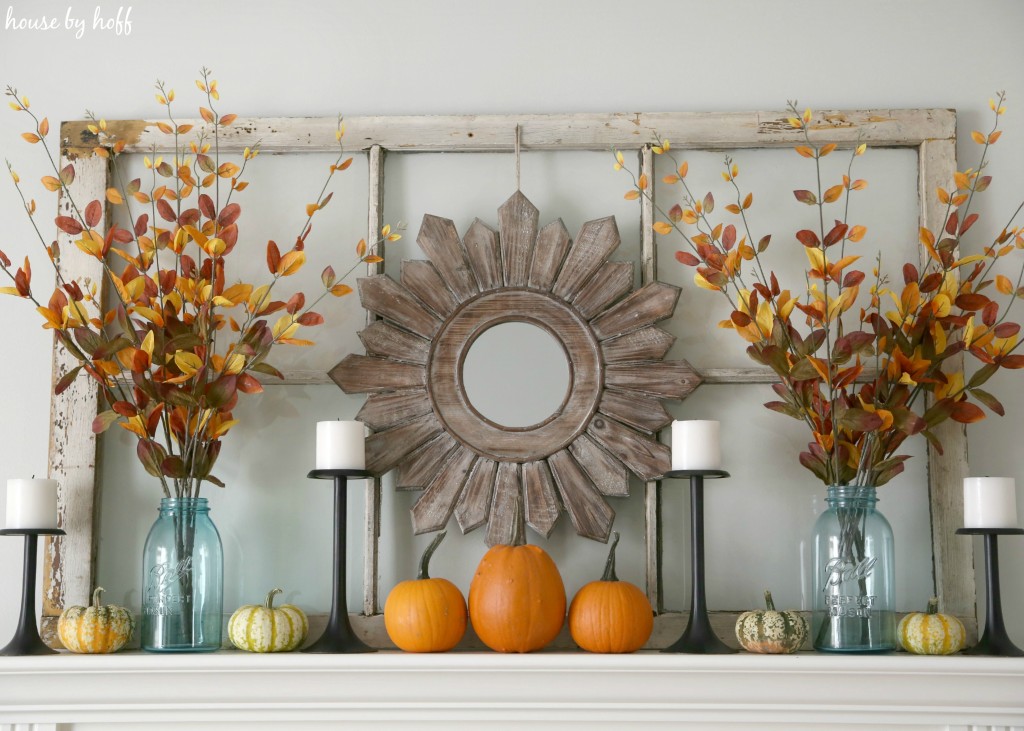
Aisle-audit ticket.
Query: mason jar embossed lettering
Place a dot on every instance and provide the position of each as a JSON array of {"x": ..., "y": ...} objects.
[
  {"x": 182, "y": 580},
  {"x": 853, "y": 581}
]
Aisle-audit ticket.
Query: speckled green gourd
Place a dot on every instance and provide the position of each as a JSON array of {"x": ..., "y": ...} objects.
[
  {"x": 931, "y": 633},
  {"x": 769, "y": 631},
  {"x": 267, "y": 628}
]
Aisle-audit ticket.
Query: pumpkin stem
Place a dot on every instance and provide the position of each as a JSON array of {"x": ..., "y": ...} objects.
[
  {"x": 609, "y": 566},
  {"x": 96, "y": 596},
  {"x": 424, "y": 572},
  {"x": 933, "y": 605},
  {"x": 768, "y": 601},
  {"x": 269, "y": 603}
]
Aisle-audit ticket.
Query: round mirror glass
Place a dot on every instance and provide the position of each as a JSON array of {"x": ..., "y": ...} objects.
[{"x": 516, "y": 374}]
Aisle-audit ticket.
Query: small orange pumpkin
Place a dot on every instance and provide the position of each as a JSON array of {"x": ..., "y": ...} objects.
[
  {"x": 610, "y": 615},
  {"x": 517, "y": 599},
  {"x": 425, "y": 615}
]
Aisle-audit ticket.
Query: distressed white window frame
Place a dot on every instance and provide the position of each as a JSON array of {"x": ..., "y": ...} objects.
[{"x": 70, "y": 560}]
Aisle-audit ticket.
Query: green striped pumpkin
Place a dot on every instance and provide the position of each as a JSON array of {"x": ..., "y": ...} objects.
[
  {"x": 769, "y": 631},
  {"x": 931, "y": 633},
  {"x": 266, "y": 628}
]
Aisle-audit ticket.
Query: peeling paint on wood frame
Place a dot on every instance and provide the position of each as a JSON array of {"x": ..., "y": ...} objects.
[{"x": 70, "y": 561}]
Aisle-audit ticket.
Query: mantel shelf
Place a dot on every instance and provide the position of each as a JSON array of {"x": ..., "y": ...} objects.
[{"x": 487, "y": 690}]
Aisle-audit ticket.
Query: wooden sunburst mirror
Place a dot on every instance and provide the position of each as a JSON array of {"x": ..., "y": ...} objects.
[{"x": 511, "y": 477}]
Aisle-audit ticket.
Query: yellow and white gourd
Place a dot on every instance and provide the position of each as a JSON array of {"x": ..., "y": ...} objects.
[
  {"x": 95, "y": 629},
  {"x": 931, "y": 633},
  {"x": 266, "y": 628}
]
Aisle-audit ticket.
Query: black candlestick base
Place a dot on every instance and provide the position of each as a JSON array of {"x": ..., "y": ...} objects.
[
  {"x": 338, "y": 637},
  {"x": 699, "y": 638},
  {"x": 26, "y": 638},
  {"x": 995, "y": 640}
]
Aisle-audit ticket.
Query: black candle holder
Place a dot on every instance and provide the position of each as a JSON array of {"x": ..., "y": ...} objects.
[
  {"x": 699, "y": 638},
  {"x": 338, "y": 637},
  {"x": 26, "y": 638},
  {"x": 994, "y": 641}
]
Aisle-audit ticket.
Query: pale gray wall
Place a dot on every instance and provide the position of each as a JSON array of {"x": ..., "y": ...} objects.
[{"x": 484, "y": 57}]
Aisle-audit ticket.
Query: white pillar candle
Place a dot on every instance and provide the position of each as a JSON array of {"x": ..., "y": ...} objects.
[
  {"x": 696, "y": 446},
  {"x": 990, "y": 502},
  {"x": 340, "y": 445},
  {"x": 32, "y": 503}
]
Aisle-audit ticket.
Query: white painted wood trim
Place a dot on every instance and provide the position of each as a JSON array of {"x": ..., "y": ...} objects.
[
  {"x": 488, "y": 690},
  {"x": 490, "y": 132}
]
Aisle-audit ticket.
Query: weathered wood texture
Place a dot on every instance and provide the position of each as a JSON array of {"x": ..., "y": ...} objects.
[
  {"x": 386, "y": 410},
  {"x": 593, "y": 245},
  {"x": 591, "y": 516},
  {"x": 542, "y": 505},
  {"x": 419, "y": 470},
  {"x": 644, "y": 414},
  {"x": 553, "y": 244},
  {"x": 569, "y": 289},
  {"x": 952, "y": 555},
  {"x": 400, "y": 346},
  {"x": 475, "y": 506},
  {"x": 490, "y": 133},
  {"x": 484, "y": 252},
  {"x": 517, "y": 224},
  {"x": 432, "y": 511},
  {"x": 69, "y": 561}
]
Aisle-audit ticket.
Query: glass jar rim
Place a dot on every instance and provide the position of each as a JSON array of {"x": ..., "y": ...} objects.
[
  {"x": 196, "y": 503},
  {"x": 863, "y": 493}
]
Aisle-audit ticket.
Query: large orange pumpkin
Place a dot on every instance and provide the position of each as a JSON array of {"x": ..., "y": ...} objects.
[
  {"x": 425, "y": 615},
  {"x": 610, "y": 615},
  {"x": 517, "y": 599}
]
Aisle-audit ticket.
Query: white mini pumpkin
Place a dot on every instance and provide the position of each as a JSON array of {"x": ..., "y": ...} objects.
[{"x": 266, "y": 628}]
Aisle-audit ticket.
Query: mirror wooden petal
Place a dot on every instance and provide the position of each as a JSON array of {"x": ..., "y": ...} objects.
[
  {"x": 613, "y": 281},
  {"x": 384, "y": 450},
  {"x": 674, "y": 379},
  {"x": 653, "y": 303},
  {"x": 609, "y": 475},
  {"x": 517, "y": 221},
  {"x": 388, "y": 341},
  {"x": 419, "y": 469},
  {"x": 484, "y": 252},
  {"x": 542, "y": 505},
  {"x": 386, "y": 410},
  {"x": 365, "y": 374},
  {"x": 593, "y": 245},
  {"x": 505, "y": 526},
  {"x": 432, "y": 511},
  {"x": 475, "y": 506},
  {"x": 650, "y": 343},
  {"x": 422, "y": 279},
  {"x": 590, "y": 514},
  {"x": 440, "y": 241},
  {"x": 385, "y": 297},
  {"x": 552, "y": 245},
  {"x": 645, "y": 457},
  {"x": 642, "y": 413}
]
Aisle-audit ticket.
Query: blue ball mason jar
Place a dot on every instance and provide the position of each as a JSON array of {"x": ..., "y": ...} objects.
[
  {"x": 854, "y": 575},
  {"x": 182, "y": 580}
]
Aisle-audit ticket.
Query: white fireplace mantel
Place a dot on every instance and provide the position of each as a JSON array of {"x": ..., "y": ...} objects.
[{"x": 390, "y": 690}]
